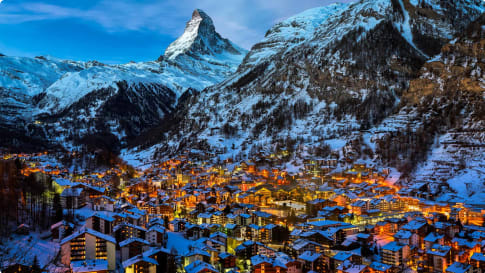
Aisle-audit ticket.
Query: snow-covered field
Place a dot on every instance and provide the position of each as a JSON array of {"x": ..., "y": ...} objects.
[{"x": 22, "y": 249}]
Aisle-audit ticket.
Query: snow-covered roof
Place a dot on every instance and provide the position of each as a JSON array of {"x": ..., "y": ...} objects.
[
  {"x": 198, "y": 266},
  {"x": 439, "y": 250},
  {"x": 342, "y": 256},
  {"x": 133, "y": 239},
  {"x": 91, "y": 232},
  {"x": 139, "y": 258},
  {"x": 414, "y": 225},
  {"x": 380, "y": 266},
  {"x": 393, "y": 246},
  {"x": 458, "y": 267},
  {"x": 349, "y": 267},
  {"x": 403, "y": 234},
  {"x": 71, "y": 192},
  {"x": 309, "y": 256},
  {"x": 478, "y": 257}
]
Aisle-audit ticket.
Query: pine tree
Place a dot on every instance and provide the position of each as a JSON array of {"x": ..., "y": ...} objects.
[
  {"x": 56, "y": 204},
  {"x": 35, "y": 265}
]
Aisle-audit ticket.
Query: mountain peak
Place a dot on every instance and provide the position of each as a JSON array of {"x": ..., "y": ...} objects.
[
  {"x": 199, "y": 14},
  {"x": 200, "y": 38}
]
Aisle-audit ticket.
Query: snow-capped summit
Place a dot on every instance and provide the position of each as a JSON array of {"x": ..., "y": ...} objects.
[
  {"x": 77, "y": 100},
  {"x": 201, "y": 39},
  {"x": 320, "y": 75}
]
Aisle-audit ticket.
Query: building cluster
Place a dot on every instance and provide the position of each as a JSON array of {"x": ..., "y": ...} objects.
[{"x": 256, "y": 216}]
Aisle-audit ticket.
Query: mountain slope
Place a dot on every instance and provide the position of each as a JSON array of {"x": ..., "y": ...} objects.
[
  {"x": 444, "y": 113},
  {"x": 345, "y": 71},
  {"x": 66, "y": 102}
]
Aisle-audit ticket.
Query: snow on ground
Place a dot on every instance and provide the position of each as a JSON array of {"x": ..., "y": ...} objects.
[
  {"x": 23, "y": 249},
  {"x": 469, "y": 183},
  {"x": 336, "y": 143},
  {"x": 176, "y": 240},
  {"x": 457, "y": 159}
]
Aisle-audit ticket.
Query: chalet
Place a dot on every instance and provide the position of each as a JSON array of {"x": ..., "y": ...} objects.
[
  {"x": 261, "y": 264},
  {"x": 438, "y": 258},
  {"x": 73, "y": 198},
  {"x": 377, "y": 267},
  {"x": 61, "y": 229},
  {"x": 301, "y": 245},
  {"x": 458, "y": 267},
  {"x": 433, "y": 238},
  {"x": 91, "y": 192},
  {"x": 243, "y": 219},
  {"x": 157, "y": 236},
  {"x": 418, "y": 227},
  {"x": 406, "y": 237},
  {"x": 140, "y": 264},
  {"x": 103, "y": 203},
  {"x": 261, "y": 218},
  {"x": 312, "y": 261},
  {"x": 321, "y": 237},
  {"x": 164, "y": 258},
  {"x": 477, "y": 260},
  {"x": 200, "y": 267},
  {"x": 60, "y": 184},
  {"x": 446, "y": 228},
  {"x": 219, "y": 236},
  {"x": 124, "y": 231},
  {"x": 196, "y": 254},
  {"x": 129, "y": 218},
  {"x": 194, "y": 232},
  {"x": 343, "y": 256},
  {"x": 101, "y": 222},
  {"x": 465, "y": 248},
  {"x": 227, "y": 260},
  {"x": 177, "y": 225},
  {"x": 349, "y": 267},
  {"x": 132, "y": 247},
  {"x": 395, "y": 254},
  {"x": 88, "y": 244},
  {"x": 248, "y": 249}
]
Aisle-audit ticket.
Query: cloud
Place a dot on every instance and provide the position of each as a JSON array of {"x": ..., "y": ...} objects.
[{"x": 242, "y": 21}]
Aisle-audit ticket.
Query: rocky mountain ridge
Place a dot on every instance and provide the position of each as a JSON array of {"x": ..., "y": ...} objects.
[{"x": 68, "y": 102}]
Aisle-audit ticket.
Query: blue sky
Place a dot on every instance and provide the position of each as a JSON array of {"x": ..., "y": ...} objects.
[{"x": 118, "y": 31}]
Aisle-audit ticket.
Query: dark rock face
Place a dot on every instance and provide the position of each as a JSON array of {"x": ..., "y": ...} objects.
[{"x": 123, "y": 113}]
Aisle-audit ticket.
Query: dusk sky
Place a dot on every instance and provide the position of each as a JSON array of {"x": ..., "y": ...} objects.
[{"x": 120, "y": 31}]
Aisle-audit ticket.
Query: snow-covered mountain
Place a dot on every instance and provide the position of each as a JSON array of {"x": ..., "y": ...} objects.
[
  {"x": 63, "y": 100},
  {"x": 323, "y": 74},
  {"x": 443, "y": 115}
]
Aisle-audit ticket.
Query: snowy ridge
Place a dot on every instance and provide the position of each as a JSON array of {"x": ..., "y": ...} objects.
[
  {"x": 75, "y": 85},
  {"x": 331, "y": 75},
  {"x": 201, "y": 41},
  {"x": 54, "y": 92},
  {"x": 291, "y": 32},
  {"x": 184, "y": 42}
]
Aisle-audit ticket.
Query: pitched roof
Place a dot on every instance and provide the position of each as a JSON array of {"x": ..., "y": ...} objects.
[
  {"x": 198, "y": 266},
  {"x": 133, "y": 239},
  {"x": 309, "y": 256},
  {"x": 139, "y": 258},
  {"x": 91, "y": 232}
]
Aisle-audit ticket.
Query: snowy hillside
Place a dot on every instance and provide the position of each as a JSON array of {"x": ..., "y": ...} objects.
[
  {"x": 322, "y": 74},
  {"x": 55, "y": 92}
]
